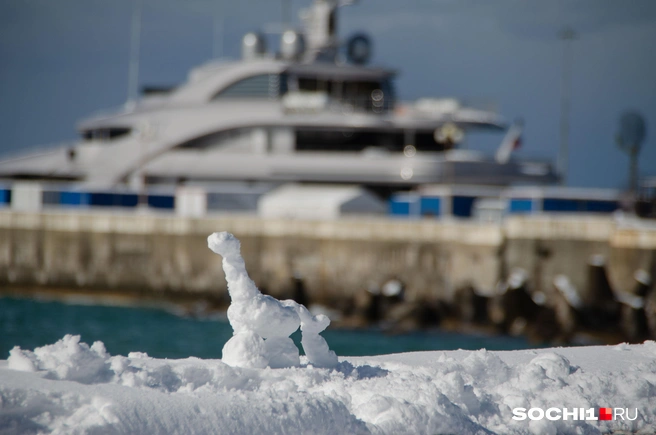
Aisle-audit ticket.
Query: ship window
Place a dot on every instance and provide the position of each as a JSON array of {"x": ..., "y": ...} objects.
[
  {"x": 360, "y": 89},
  {"x": 332, "y": 23},
  {"x": 260, "y": 86},
  {"x": 387, "y": 86},
  {"x": 215, "y": 139},
  {"x": 357, "y": 93},
  {"x": 108, "y": 133},
  {"x": 207, "y": 141},
  {"x": 314, "y": 85},
  {"x": 310, "y": 85},
  {"x": 360, "y": 140},
  {"x": 156, "y": 90},
  {"x": 347, "y": 140}
]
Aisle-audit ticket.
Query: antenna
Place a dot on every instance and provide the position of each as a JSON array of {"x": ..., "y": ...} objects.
[
  {"x": 320, "y": 22},
  {"x": 567, "y": 35},
  {"x": 286, "y": 14},
  {"x": 135, "y": 45},
  {"x": 217, "y": 41}
]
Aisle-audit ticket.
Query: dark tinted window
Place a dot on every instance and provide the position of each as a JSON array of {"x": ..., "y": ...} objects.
[
  {"x": 260, "y": 86},
  {"x": 108, "y": 133}
]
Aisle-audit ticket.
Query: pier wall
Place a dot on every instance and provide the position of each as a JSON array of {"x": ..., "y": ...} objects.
[{"x": 336, "y": 259}]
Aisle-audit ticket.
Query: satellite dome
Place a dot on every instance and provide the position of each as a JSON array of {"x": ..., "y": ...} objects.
[
  {"x": 292, "y": 45},
  {"x": 253, "y": 46}
]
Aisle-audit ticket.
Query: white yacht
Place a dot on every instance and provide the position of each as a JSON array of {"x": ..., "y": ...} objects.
[{"x": 306, "y": 114}]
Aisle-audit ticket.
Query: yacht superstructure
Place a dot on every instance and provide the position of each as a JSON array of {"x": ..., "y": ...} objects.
[{"x": 305, "y": 114}]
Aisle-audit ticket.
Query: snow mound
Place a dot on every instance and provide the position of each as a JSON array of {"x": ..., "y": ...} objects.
[
  {"x": 69, "y": 387},
  {"x": 262, "y": 386},
  {"x": 67, "y": 359},
  {"x": 262, "y": 324}
]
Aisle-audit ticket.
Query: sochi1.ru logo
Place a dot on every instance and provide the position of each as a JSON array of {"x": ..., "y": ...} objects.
[{"x": 574, "y": 414}]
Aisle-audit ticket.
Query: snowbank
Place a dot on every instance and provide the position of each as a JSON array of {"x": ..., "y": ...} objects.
[
  {"x": 262, "y": 386},
  {"x": 70, "y": 387}
]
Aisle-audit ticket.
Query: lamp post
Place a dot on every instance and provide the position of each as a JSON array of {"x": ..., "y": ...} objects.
[{"x": 567, "y": 35}]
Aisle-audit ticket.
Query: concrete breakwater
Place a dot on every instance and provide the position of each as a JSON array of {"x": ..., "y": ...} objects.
[{"x": 579, "y": 270}]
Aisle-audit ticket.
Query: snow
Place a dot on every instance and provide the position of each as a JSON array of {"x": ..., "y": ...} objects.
[
  {"x": 262, "y": 324},
  {"x": 262, "y": 386},
  {"x": 70, "y": 387}
]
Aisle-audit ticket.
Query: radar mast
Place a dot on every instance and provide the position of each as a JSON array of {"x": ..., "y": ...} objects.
[{"x": 320, "y": 23}]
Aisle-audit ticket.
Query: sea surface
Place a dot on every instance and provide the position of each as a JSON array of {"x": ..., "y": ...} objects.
[{"x": 160, "y": 333}]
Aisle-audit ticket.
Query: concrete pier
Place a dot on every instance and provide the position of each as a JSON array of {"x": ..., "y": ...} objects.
[
  {"x": 336, "y": 260},
  {"x": 163, "y": 252}
]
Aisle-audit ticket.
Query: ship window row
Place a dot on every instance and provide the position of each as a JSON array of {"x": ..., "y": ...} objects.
[
  {"x": 260, "y": 86},
  {"x": 376, "y": 95},
  {"x": 311, "y": 139},
  {"x": 361, "y": 140},
  {"x": 106, "y": 133}
]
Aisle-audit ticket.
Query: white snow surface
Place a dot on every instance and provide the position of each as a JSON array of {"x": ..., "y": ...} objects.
[
  {"x": 262, "y": 386},
  {"x": 72, "y": 388}
]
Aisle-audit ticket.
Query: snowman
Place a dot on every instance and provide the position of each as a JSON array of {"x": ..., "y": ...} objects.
[{"x": 262, "y": 324}]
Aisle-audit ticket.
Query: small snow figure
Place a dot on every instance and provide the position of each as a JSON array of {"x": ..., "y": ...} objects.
[
  {"x": 315, "y": 346},
  {"x": 262, "y": 324}
]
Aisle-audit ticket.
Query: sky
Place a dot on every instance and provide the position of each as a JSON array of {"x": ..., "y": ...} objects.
[{"x": 61, "y": 61}]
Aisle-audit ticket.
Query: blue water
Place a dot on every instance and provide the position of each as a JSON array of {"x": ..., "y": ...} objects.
[{"x": 29, "y": 323}]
